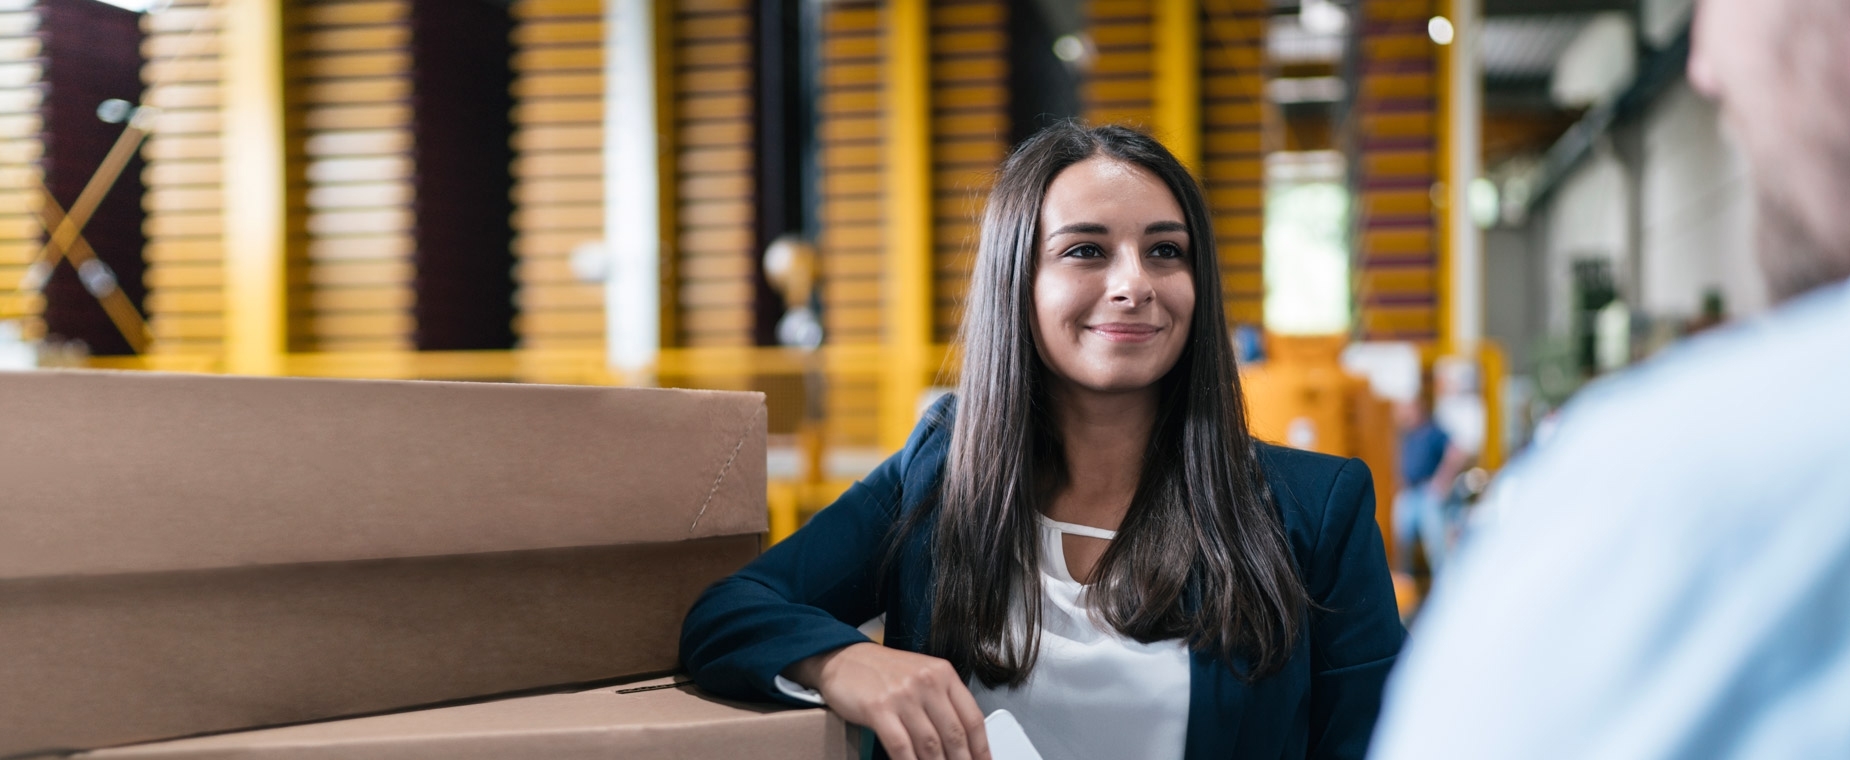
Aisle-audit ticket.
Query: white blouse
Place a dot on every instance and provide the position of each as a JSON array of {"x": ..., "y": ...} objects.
[{"x": 1094, "y": 694}]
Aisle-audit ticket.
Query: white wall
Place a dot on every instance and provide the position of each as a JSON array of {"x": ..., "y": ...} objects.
[
  {"x": 1585, "y": 218},
  {"x": 1663, "y": 20},
  {"x": 1694, "y": 218},
  {"x": 1509, "y": 304},
  {"x": 1697, "y": 211},
  {"x": 1599, "y": 64}
]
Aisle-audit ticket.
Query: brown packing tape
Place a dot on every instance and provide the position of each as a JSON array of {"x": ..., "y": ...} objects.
[
  {"x": 134, "y": 472},
  {"x": 98, "y": 661},
  {"x": 675, "y": 723}
]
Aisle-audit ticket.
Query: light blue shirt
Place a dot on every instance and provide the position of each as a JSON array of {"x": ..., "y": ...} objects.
[{"x": 1667, "y": 577}]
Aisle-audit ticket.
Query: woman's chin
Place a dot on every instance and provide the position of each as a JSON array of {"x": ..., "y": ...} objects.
[{"x": 1116, "y": 382}]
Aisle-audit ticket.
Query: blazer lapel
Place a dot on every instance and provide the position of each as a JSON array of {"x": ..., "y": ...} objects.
[{"x": 1216, "y": 701}]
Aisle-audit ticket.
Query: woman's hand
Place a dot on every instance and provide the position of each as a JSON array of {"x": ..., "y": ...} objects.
[{"x": 915, "y": 703}]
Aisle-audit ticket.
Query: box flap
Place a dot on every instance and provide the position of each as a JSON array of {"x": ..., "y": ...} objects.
[
  {"x": 652, "y": 720},
  {"x": 95, "y": 661},
  {"x": 142, "y": 472}
]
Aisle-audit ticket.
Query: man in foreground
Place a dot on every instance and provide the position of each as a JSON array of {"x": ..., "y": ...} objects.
[{"x": 1669, "y": 576}]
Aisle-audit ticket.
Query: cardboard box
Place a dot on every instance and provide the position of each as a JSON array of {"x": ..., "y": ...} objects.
[
  {"x": 186, "y": 554},
  {"x": 656, "y": 720}
]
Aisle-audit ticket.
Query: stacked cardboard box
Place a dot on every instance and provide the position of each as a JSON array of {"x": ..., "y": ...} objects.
[
  {"x": 657, "y": 720},
  {"x": 191, "y": 554}
]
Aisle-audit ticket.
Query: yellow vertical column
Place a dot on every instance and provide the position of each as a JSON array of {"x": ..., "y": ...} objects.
[
  {"x": 255, "y": 313},
  {"x": 1461, "y": 271},
  {"x": 667, "y": 181},
  {"x": 1177, "y": 70},
  {"x": 907, "y": 308},
  {"x": 1445, "y": 102}
]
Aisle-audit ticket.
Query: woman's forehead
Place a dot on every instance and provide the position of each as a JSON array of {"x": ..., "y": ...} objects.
[{"x": 1108, "y": 192}]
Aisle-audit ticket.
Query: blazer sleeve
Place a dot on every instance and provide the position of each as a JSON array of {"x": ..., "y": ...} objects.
[
  {"x": 805, "y": 595},
  {"x": 1355, "y": 629}
]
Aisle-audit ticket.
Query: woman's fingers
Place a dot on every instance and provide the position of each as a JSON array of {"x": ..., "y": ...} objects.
[
  {"x": 893, "y": 736},
  {"x": 952, "y": 730},
  {"x": 926, "y": 742},
  {"x": 916, "y": 704},
  {"x": 970, "y": 715}
]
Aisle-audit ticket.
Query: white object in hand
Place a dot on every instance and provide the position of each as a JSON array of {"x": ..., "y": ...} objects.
[{"x": 1006, "y": 739}]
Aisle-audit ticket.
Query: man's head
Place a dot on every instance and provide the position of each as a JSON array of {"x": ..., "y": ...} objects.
[{"x": 1780, "y": 69}]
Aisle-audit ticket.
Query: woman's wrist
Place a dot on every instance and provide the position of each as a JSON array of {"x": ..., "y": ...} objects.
[{"x": 809, "y": 672}]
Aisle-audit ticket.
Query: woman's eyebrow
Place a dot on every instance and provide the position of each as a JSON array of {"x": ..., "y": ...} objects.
[
  {"x": 1079, "y": 228},
  {"x": 1170, "y": 226}
]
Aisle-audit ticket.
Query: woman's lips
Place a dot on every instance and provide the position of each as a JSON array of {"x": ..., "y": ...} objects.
[{"x": 1124, "y": 332}]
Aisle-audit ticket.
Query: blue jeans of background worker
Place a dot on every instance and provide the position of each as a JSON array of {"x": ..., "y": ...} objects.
[{"x": 1427, "y": 518}]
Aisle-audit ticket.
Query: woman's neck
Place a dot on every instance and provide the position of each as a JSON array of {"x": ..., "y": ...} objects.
[{"x": 1104, "y": 436}]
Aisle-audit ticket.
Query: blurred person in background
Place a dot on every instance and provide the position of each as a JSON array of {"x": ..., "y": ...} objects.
[
  {"x": 1429, "y": 464},
  {"x": 1669, "y": 575}
]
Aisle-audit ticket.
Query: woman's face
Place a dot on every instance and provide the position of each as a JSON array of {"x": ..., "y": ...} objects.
[{"x": 1114, "y": 291}]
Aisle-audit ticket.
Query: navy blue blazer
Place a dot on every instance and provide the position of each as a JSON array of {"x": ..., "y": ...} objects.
[{"x": 805, "y": 595}]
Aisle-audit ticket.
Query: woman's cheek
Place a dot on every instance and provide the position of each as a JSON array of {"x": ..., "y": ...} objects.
[
  {"x": 1053, "y": 301},
  {"x": 1182, "y": 303}
]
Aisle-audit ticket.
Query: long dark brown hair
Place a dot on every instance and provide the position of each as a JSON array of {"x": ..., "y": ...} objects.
[{"x": 1201, "y": 555}]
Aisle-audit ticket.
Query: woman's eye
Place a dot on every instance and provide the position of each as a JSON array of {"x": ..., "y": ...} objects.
[
  {"x": 1167, "y": 251},
  {"x": 1085, "y": 251}
]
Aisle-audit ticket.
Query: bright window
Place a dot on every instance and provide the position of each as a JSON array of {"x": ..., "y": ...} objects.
[{"x": 1306, "y": 245}]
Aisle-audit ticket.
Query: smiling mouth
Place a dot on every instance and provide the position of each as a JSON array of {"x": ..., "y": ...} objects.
[{"x": 1125, "y": 333}]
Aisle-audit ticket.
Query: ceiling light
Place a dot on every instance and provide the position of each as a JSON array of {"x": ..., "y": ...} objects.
[
  {"x": 1485, "y": 202},
  {"x": 1440, "y": 30},
  {"x": 138, "y": 6},
  {"x": 1322, "y": 17}
]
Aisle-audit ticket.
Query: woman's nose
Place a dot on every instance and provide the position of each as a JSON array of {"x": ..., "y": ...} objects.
[{"x": 1129, "y": 283}]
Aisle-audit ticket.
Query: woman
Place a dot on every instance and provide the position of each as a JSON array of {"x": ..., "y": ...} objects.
[{"x": 1194, "y": 594}]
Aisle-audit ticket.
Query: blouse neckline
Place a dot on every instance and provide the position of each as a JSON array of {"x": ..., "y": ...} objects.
[
  {"x": 1077, "y": 529},
  {"x": 1053, "y": 550}
]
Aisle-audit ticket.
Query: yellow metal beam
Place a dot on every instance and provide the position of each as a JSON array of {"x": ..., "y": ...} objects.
[
  {"x": 1445, "y": 59},
  {"x": 907, "y": 311},
  {"x": 667, "y": 175},
  {"x": 255, "y": 313},
  {"x": 569, "y": 366},
  {"x": 66, "y": 242},
  {"x": 1177, "y": 75},
  {"x": 784, "y": 499},
  {"x": 1493, "y": 366}
]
